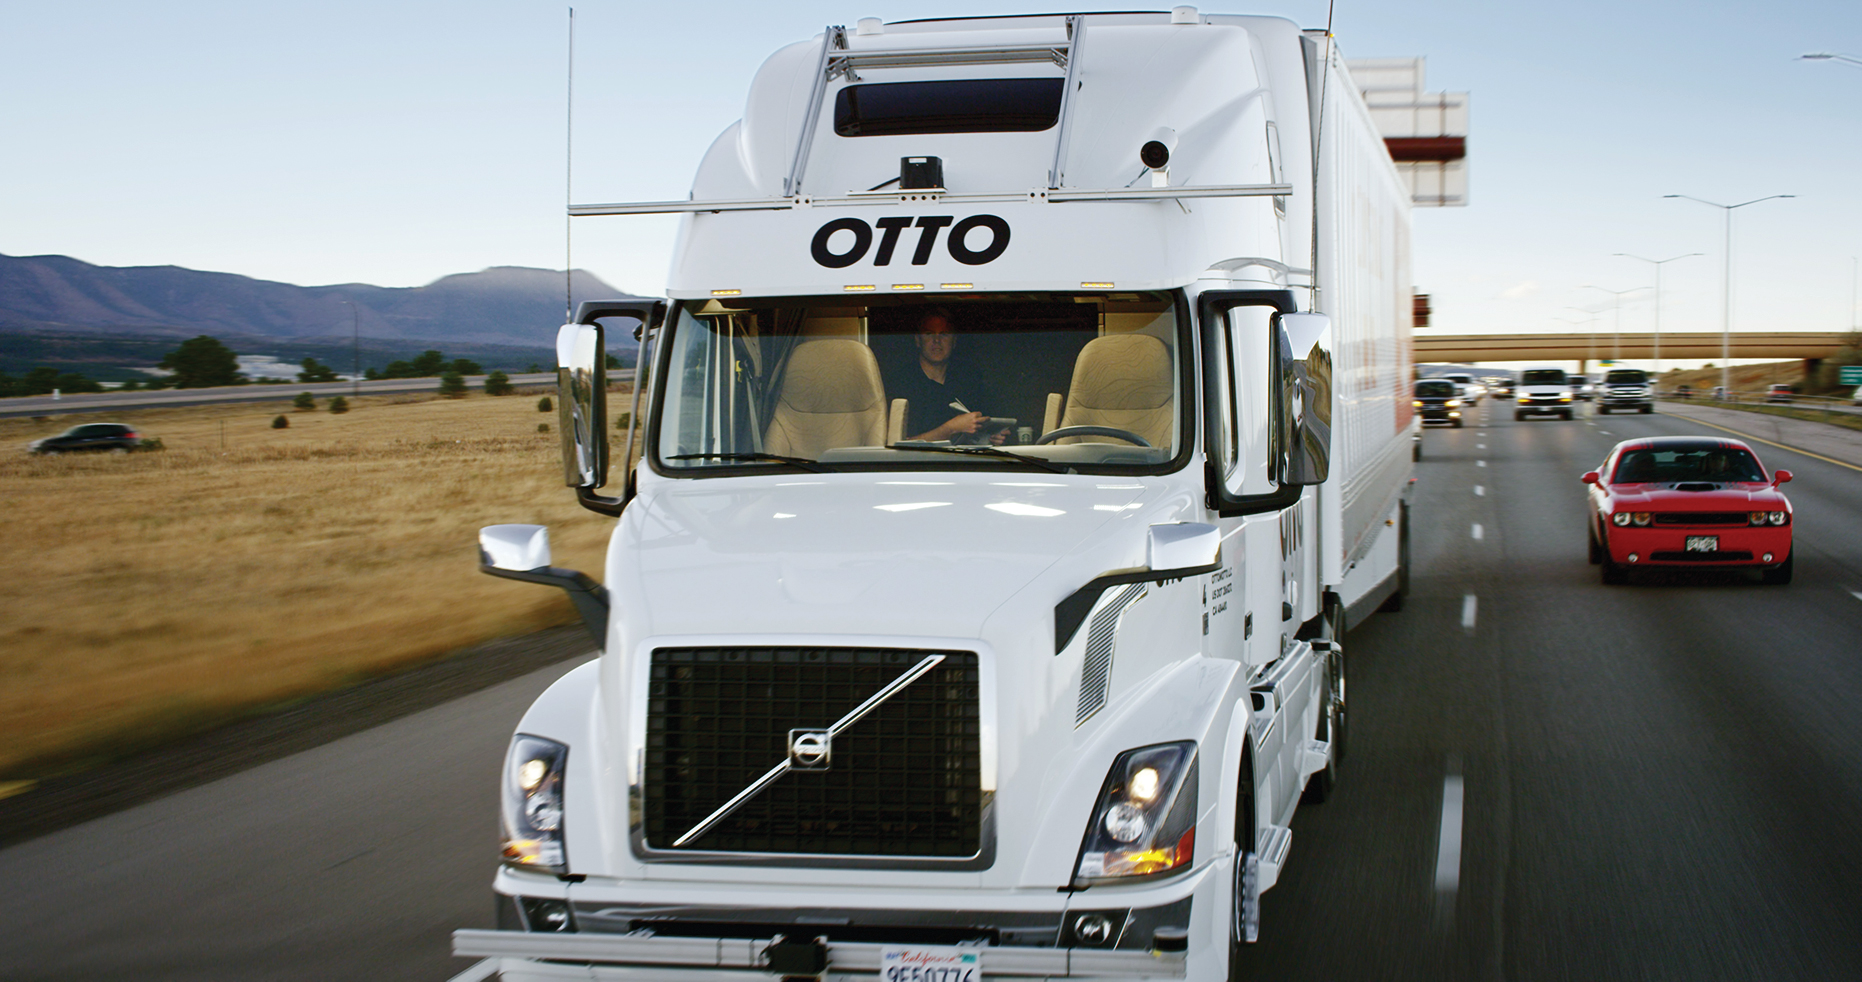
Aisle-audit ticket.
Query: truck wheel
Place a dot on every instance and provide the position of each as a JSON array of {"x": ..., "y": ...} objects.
[
  {"x": 1457, "y": 424},
  {"x": 1244, "y": 915},
  {"x": 1780, "y": 574},
  {"x": 1415, "y": 451},
  {"x": 1603, "y": 410},
  {"x": 1647, "y": 410},
  {"x": 1331, "y": 729},
  {"x": 1567, "y": 415},
  {"x": 1518, "y": 417},
  {"x": 1394, "y": 602}
]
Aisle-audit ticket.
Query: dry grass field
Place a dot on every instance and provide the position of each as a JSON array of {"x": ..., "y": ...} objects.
[{"x": 148, "y": 595}]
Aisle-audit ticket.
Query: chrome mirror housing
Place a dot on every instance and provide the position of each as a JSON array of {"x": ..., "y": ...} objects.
[{"x": 582, "y": 404}]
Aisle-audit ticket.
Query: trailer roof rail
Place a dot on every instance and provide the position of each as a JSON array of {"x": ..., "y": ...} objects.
[{"x": 1036, "y": 195}]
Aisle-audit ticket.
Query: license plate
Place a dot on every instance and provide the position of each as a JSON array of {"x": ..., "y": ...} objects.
[
  {"x": 926, "y": 963},
  {"x": 1703, "y": 543}
]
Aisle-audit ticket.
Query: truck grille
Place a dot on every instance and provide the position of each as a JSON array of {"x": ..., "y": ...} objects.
[{"x": 905, "y": 780}]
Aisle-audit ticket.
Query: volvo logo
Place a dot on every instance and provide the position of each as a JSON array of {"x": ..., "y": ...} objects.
[
  {"x": 837, "y": 251},
  {"x": 809, "y": 750}
]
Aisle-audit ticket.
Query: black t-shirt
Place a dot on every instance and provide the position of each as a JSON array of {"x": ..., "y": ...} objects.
[{"x": 928, "y": 402}]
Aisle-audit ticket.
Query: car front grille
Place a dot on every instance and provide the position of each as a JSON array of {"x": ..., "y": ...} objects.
[
  {"x": 904, "y": 780},
  {"x": 1734, "y": 556},
  {"x": 1700, "y": 518}
]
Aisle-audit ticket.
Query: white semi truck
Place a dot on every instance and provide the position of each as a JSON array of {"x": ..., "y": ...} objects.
[{"x": 1009, "y": 464}]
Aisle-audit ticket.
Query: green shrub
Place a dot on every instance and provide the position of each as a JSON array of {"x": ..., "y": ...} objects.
[
  {"x": 543, "y": 427},
  {"x": 305, "y": 402},
  {"x": 622, "y": 421},
  {"x": 544, "y": 405},
  {"x": 280, "y": 423},
  {"x": 151, "y": 443},
  {"x": 499, "y": 384},
  {"x": 453, "y": 385},
  {"x": 339, "y": 405}
]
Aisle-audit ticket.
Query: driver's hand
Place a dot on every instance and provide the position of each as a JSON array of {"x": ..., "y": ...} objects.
[
  {"x": 965, "y": 423},
  {"x": 999, "y": 437}
]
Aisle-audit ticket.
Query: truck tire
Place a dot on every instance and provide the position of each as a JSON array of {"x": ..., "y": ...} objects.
[
  {"x": 1567, "y": 415},
  {"x": 1239, "y": 894},
  {"x": 1394, "y": 602},
  {"x": 1603, "y": 410},
  {"x": 1647, "y": 410},
  {"x": 1457, "y": 424},
  {"x": 1518, "y": 416}
]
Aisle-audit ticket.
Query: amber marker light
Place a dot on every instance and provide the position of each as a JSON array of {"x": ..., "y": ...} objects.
[
  {"x": 908, "y": 286},
  {"x": 1095, "y": 285},
  {"x": 858, "y": 287},
  {"x": 727, "y": 293},
  {"x": 956, "y": 286}
]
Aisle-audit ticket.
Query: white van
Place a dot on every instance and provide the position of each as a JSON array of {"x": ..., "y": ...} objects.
[
  {"x": 1543, "y": 391},
  {"x": 1007, "y": 483}
]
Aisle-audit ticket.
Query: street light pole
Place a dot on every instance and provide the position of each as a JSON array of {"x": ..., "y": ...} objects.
[
  {"x": 1831, "y": 56},
  {"x": 1616, "y": 317},
  {"x": 355, "y": 327},
  {"x": 1726, "y": 274},
  {"x": 1658, "y": 301}
]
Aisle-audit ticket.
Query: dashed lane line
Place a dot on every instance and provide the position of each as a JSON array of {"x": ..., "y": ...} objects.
[
  {"x": 1479, "y": 491},
  {"x": 1468, "y": 607},
  {"x": 1448, "y": 847},
  {"x": 1476, "y": 531},
  {"x": 1480, "y": 463}
]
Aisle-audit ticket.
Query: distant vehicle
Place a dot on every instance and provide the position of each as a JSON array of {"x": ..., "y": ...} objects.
[
  {"x": 1626, "y": 388},
  {"x": 1581, "y": 388},
  {"x": 1469, "y": 389},
  {"x": 1719, "y": 393},
  {"x": 1688, "y": 502},
  {"x": 1778, "y": 392},
  {"x": 1543, "y": 392},
  {"x": 1684, "y": 391},
  {"x": 1438, "y": 400},
  {"x": 1856, "y": 398},
  {"x": 90, "y": 436},
  {"x": 1500, "y": 387}
]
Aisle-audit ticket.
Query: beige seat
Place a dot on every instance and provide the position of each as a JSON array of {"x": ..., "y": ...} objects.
[
  {"x": 1123, "y": 381},
  {"x": 831, "y": 397}
]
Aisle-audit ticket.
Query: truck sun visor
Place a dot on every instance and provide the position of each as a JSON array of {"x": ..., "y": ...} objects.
[{"x": 993, "y": 105}]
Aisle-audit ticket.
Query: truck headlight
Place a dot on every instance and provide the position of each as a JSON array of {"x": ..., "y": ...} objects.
[
  {"x": 1417, "y": 403},
  {"x": 533, "y": 811},
  {"x": 1144, "y": 822},
  {"x": 1454, "y": 403}
]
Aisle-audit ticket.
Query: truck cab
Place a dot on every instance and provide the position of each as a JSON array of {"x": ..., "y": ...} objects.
[{"x": 985, "y": 541}]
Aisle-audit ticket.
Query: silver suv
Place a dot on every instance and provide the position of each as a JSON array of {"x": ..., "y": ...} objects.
[{"x": 1626, "y": 388}]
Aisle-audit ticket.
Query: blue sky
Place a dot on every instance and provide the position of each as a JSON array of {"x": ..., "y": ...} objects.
[{"x": 396, "y": 142}]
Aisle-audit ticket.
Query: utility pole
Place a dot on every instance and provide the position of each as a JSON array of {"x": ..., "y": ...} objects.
[
  {"x": 1726, "y": 275},
  {"x": 355, "y": 327},
  {"x": 1658, "y": 301}
]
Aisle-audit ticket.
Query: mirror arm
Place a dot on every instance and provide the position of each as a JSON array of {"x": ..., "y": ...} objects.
[
  {"x": 601, "y": 504},
  {"x": 590, "y": 598}
]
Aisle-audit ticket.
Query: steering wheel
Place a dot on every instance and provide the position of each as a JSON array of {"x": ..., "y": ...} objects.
[{"x": 1051, "y": 435}]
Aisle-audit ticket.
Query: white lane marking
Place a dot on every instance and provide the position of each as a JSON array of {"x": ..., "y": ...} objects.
[
  {"x": 1605, "y": 433},
  {"x": 1479, "y": 491},
  {"x": 1448, "y": 851},
  {"x": 1480, "y": 463},
  {"x": 1476, "y": 531},
  {"x": 1480, "y": 446},
  {"x": 1856, "y": 594},
  {"x": 1468, "y": 605},
  {"x": 483, "y": 970}
]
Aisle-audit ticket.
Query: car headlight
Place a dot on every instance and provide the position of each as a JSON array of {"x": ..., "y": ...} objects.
[
  {"x": 1620, "y": 518},
  {"x": 1756, "y": 518},
  {"x": 1640, "y": 518},
  {"x": 1779, "y": 517},
  {"x": 1144, "y": 822},
  {"x": 1454, "y": 404},
  {"x": 533, "y": 812}
]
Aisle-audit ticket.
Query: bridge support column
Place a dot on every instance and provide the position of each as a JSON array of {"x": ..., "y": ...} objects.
[{"x": 1811, "y": 365}]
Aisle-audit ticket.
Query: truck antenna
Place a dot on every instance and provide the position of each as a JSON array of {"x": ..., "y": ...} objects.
[
  {"x": 1325, "y": 81},
  {"x": 568, "y": 172}
]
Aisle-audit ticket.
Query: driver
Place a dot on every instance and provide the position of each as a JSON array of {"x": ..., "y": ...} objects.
[{"x": 931, "y": 388}]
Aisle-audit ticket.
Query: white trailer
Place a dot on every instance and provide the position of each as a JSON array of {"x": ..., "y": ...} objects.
[{"x": 1006, "y": 482}]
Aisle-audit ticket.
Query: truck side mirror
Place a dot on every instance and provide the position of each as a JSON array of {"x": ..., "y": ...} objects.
[
  {"x": 514, "y": 547},
  {"x": 582, "y": 402},
  {"x": 1304, "y": 342}
]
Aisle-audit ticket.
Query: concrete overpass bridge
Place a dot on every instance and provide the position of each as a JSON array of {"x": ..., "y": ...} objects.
[{"x": 1583, "y": 348}]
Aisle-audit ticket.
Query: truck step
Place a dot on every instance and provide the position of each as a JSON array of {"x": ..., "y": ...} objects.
[{"x": 1271, "y": 848}]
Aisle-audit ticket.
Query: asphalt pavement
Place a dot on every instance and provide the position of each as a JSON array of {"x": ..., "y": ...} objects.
[{"x": 1547, "y": 778}]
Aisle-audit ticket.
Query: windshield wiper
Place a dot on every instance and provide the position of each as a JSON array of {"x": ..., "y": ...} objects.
[
  {"x": 803, "y": 462},
  {"x": 985, "y": 451}
]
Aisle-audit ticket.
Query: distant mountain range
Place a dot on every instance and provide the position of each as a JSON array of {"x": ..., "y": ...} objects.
[{"x": 60, "y": 310}]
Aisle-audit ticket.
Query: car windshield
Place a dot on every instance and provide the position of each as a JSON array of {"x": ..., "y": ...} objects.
[
  {"x": 1626, "y": 376},
  {"x": 1703, "y": 462},
  {"x": 1435, "y": 390},
  {"x": 1548, "y": 377},
  {"x": 1047, "y": 381}
]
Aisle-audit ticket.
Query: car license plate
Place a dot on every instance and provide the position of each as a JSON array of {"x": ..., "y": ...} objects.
[
  {"x": 1703, "y": 543},
  {"x": 925, "y": 963}
]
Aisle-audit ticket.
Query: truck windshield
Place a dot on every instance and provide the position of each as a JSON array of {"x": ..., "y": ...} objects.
[
  {"x": 1626, "y": 376},
  {"x": 1542, "y": 377},
  {"x": 1049, "y": 381}
]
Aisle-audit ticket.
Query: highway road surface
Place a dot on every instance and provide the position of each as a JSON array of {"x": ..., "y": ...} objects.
[
  {"x": 117, "y": 400},
  {"x": 1547, "y": 779}
]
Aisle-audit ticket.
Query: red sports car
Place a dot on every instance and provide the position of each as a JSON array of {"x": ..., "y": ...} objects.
[{"x": 1688, "y": 502}]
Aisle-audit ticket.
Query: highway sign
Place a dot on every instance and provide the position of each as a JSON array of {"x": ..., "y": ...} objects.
[{"x": 1850, "y": 375}]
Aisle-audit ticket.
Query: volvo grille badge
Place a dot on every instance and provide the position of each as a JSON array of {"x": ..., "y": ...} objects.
[{"x": 809, "y": 750}]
